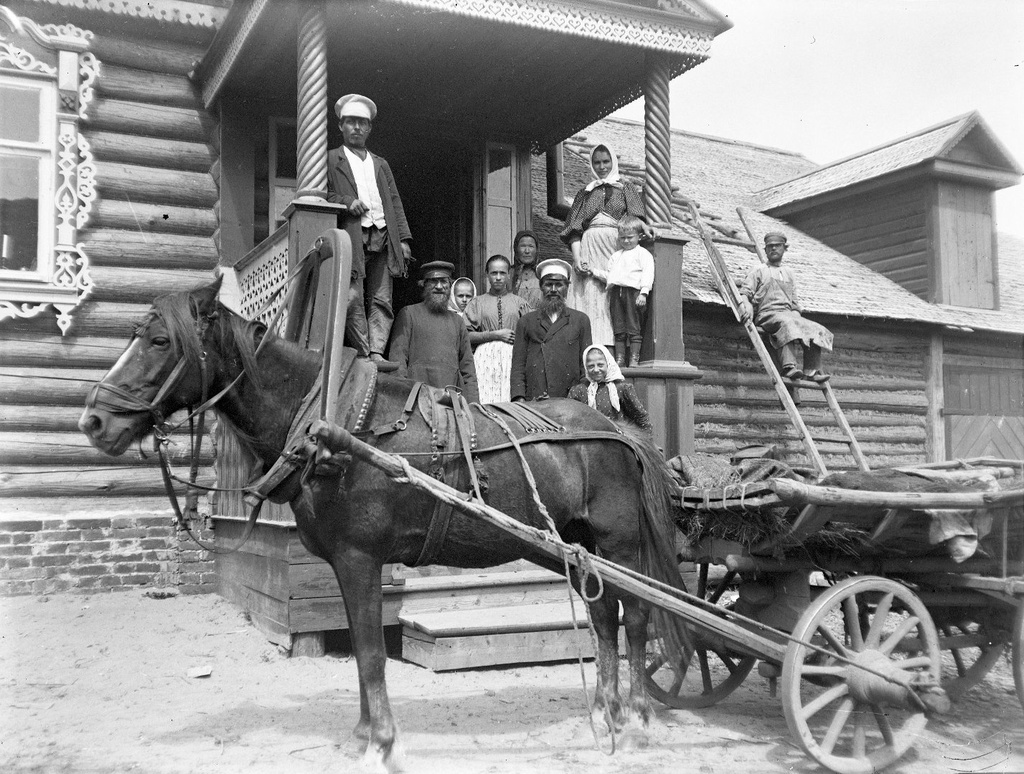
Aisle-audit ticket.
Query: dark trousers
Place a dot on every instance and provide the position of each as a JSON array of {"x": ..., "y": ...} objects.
[{"x": 626, "y": 317}]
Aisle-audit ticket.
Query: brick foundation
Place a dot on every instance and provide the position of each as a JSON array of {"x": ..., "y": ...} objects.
[{"x": 46, "y": 556}]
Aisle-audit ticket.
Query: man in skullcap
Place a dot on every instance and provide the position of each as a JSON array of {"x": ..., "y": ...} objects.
[
  {"x": 770, "y": 298},
  {"x": 547, "y": 354},
  {"x": 363, "y": 182},
  {"x": 431, "y": 343}
]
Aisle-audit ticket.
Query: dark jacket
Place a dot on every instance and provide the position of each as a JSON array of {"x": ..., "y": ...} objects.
[
  {"x": 547, "y": 357},
  {"x": 434, "y": 348},
  {"x": 341, "y": 188}
]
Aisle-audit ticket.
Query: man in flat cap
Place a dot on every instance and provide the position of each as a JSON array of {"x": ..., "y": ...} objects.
[
  {"x": 770, "y": 298},
  {"x": 363, "y": 182},
  {"x": 547, "y": 355},
  {"x": 431, "y": 343}
]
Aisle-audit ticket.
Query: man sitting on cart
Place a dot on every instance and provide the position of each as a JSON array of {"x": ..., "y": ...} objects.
[{"x": 770, "y": 298}]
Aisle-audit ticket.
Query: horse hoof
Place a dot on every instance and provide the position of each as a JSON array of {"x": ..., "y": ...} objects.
[
  {"x": 379, "y": 761},
  {"x": 361, "y": 732},
  {"x": 633, "y": 737}
]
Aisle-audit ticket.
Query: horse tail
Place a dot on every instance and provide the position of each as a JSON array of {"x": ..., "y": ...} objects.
[{"x": 657, "y": 545}]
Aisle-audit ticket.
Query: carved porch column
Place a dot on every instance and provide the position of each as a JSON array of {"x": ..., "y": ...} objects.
[
  {"x": 657, "y": 139},
  {"x": 312, "y": 101}
]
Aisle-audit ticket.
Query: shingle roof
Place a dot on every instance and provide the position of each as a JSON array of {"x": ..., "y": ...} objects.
[
  {"x": 931, "y": 143},
  {"x": 721, "y": 175}
]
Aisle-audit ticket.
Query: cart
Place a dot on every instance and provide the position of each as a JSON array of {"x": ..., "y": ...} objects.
[
  {"x": 827, "y": 614},
  {"x": 865, "y": 648}
]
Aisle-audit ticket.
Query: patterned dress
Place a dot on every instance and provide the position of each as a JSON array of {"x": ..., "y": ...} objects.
[{"x": 493, "y": 359}]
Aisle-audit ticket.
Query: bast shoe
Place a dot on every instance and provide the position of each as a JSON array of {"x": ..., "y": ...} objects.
[
  {"x": 818, "y": 376},
  {"x": 792, "y": 372}
]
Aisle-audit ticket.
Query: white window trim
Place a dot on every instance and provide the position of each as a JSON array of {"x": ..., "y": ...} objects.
[{"x": 69, "y": 180}]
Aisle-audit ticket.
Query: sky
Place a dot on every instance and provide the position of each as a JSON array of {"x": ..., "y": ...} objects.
[{"x": 830, "y": 78}]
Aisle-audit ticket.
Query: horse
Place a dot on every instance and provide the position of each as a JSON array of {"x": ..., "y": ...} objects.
[{"x": 609, "y": 496}]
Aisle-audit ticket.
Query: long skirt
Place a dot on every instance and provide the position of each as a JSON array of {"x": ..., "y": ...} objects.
[
  {"x": 588, "y": 294},
  {"x": 493, "y": 360}
]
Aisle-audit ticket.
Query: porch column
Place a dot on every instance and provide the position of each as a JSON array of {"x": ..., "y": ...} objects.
[
  {"x": 312, "y": 101},
  {"x": 657, "y": 140}
]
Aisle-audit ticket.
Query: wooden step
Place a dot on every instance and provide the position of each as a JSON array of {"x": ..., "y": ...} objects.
[{"x": 518, "y": 634}]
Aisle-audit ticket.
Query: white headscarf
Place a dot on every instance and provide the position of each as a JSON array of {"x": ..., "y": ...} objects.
[
  {"x": 613, "y": 375},
  {"x": 613, "y": 176},
  {"x": 453, "y": 305}
]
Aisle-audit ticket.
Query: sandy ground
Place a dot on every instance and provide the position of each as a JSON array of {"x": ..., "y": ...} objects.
[{"x": 101, "y": 684}]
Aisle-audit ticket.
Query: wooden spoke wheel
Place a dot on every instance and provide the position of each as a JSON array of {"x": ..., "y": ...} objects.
[
  {"x": 973, "y": 646},
  {"x": 842, "y": 705},
  {"x": 709, "y": 670}
]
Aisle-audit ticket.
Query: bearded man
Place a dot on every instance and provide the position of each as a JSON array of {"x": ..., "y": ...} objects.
[
  {"x": 431, "y": 344},
  {"x": 547, "y": 353}
]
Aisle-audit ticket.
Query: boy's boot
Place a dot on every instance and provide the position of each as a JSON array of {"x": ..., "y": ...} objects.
[
  {"x": 634, "y": 352},
  {"x": 620, "y": 352}
]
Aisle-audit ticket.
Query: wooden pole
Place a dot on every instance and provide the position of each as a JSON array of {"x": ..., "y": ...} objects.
[{"x": 796, "y": 492}]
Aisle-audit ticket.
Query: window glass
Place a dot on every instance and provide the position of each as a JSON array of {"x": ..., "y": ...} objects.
[
  {"x": 19, "y": 212},
  {"x": 499, "y": 230},
  {"x": 19, "y": 114}
]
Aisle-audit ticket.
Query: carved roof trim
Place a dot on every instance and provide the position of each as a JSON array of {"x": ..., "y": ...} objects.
[{"x": 175, "y": 11}]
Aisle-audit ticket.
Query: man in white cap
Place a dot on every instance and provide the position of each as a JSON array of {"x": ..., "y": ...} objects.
[
  {"x": 547, "y": 356},
  {"x": 363, "y": 182}
]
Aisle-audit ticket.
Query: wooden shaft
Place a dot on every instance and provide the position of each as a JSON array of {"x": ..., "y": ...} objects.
[
  {"x": 837, "y": 412},
  {"x": 758, "y": 247},
  {"x": 339, "y": 439},
  {"x": 795, "y": 492}
]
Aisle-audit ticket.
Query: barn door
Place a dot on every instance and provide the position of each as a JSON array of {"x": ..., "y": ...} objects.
[{"x": 984, "y": 412}]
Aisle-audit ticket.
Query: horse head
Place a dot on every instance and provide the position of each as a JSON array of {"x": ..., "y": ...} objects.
[{"x": 167, "y": 366}]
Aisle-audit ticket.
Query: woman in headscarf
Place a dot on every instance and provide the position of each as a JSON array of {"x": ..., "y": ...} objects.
[
  {"x": 525, "y": 282},
  {"x": 491, "y": 321},
  {"x": 592, "y": 235},
  {"x": 606, "y": 391},
  {"x": 463, "y": 291}
]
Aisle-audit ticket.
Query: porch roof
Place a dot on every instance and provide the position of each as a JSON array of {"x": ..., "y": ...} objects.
[{"x": 537, "y": 70}]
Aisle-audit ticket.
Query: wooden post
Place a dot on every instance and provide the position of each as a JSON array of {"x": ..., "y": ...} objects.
[
  {"x": 312, "y": 100},
  {"x": 237, "y": 181},
  {"x": 657, "y": 140},
  {"x": 664, "y": 380},
  {"x": 935, "y": 422}
]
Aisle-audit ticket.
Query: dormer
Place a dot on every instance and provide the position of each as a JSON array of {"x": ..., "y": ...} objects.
[{"x": 918, "y": 210}]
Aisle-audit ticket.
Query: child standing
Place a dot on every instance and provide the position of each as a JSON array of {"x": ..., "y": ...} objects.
[
  {"x": 606, "y": 391},
  {"x": 630, "y": 277}
]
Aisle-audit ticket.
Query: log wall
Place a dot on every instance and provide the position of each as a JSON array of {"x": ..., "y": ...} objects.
[
  {"x": 889, "y": 233},
  {"x": 879, "y": 379},
  {"x": 152, "y": 230}
]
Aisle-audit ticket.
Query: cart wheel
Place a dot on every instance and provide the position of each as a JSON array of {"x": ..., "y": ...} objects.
[
  {"x": 709, "y": 672},
  {"x": 850, "y": 718},
  {"x": 975, "y": 646},
  {"x": 1018, "y": 652}
]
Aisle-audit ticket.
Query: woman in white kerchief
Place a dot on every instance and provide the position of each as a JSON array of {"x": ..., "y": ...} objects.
[
  {"x": 604, "y": 389},
  {"x": 592, "y": 234}
]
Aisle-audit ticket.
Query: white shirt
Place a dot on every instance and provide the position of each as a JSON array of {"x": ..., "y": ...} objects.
[
  {"x": 366, "y": 186},
  {"x": 631, "y": 269}
]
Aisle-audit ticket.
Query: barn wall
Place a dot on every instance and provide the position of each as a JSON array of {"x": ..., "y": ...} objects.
[
  {"x": 152, "y": 230},
  {"x": 886, "y": 231},
  {"x": 878, "y": 378},
  {"x": 965, "y": 247}
]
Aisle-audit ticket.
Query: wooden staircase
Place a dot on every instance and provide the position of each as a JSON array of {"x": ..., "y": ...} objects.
[{"x": 786, "y": 389}]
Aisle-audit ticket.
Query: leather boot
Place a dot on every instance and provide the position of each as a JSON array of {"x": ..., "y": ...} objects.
[
  {"x": 620, "y": 352},
  {"x": 634, "y": 352}
]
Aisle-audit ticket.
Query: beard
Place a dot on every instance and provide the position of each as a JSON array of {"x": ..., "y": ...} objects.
[
  {"x": 553, "y": 305},
  {"x": 435, "y": 302}
]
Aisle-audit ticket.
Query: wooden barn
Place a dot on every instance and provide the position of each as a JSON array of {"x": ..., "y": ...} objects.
[{"x": 177, "y": 138}]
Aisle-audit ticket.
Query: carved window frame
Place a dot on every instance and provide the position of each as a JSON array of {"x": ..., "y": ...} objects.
[{"x": 58, "y": 57}]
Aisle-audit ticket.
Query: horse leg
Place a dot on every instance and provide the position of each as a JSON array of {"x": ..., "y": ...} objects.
[
  {"x": 359, "y": 577},
  {"x": 607, "y": 707},
  {"x": 635, "y": 615}
]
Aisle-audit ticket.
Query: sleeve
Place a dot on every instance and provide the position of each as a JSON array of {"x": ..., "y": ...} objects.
[
  {"x": 586, "y": 339},
  {"x": 796, "y": 296},
  {"x": 402, "y": 226},
  {"x": 634, "y": 201},
  {"x": 467, "y": 368},
  {"x": 575, "y": 223},
  {"x": 646, "y": 270},
  {"x": 399, "y": 352},
  {"x": 578, "y": 393},
  {"x": 518, "y": 376},
  {"x": 634, "y": 409},
  {"x": 748, "y": 287},
  {"x": 473, "y": 318}
]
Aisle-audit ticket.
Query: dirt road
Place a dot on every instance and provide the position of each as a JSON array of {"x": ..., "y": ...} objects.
[{"x": 101, "y": 684}]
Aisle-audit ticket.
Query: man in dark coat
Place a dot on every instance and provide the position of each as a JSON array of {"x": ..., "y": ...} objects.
[
  {"x": 547, "y": 356},
  {"x": 376, "y": 222},
  {"x": 431, "y": 343}
]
